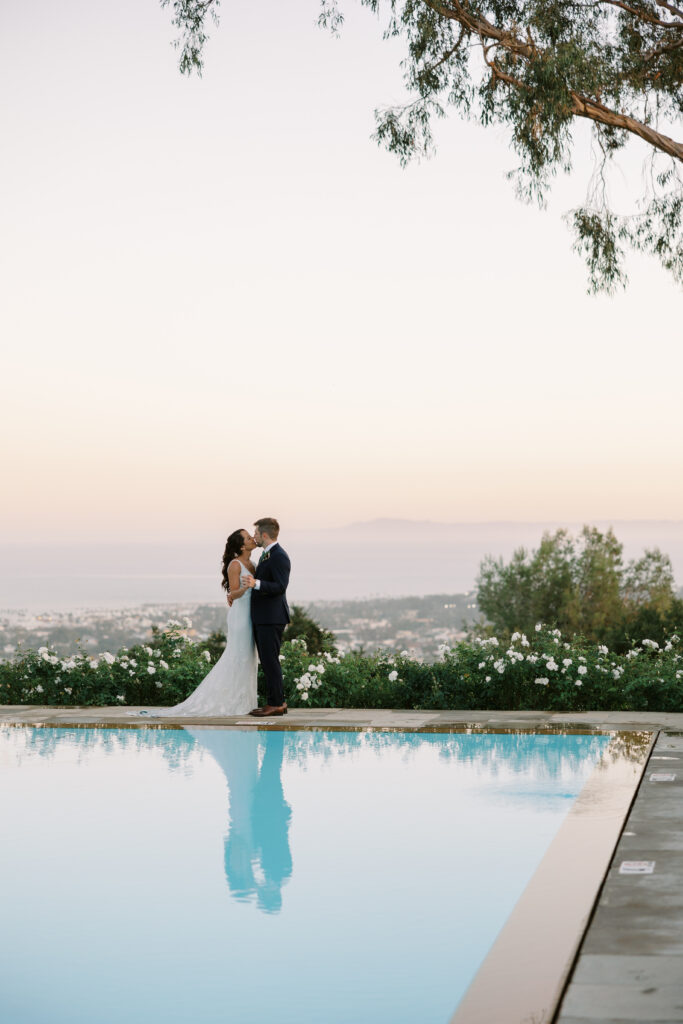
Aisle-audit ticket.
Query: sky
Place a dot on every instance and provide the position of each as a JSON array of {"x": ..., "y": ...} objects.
[{"x": 221, "y": 300}]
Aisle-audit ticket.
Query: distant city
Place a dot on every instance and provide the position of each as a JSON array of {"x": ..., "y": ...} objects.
[{"x": 416, "y": 624}]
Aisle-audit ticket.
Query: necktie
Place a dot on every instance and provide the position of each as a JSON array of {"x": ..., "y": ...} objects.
[{"x": 263, "y": 555}]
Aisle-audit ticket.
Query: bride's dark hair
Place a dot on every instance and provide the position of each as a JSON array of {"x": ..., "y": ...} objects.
[{"x": 234, "y": 546}]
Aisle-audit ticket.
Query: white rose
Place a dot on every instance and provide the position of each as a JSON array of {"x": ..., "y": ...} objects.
[
  {"x": 541, "y": 682},
  {"x": 582, "y": 670},
  {"x": 151, "y": 669},
  {"x": 393, "y": 676}
]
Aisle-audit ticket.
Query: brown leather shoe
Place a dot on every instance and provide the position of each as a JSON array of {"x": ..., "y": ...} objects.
[{"x": 268, "y": 711}]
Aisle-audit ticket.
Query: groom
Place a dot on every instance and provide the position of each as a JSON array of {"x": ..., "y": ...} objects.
[{"x": 270, "y": 612}]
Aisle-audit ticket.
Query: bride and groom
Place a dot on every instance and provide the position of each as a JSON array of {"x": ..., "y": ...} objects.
[{"x": 257, "y": 616}]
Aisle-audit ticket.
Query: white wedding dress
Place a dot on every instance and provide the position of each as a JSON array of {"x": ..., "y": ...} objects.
[{"x": 230, "y": 686}]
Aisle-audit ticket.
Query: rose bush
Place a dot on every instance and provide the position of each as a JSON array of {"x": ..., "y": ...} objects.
[{"x": 542, "y": 671}]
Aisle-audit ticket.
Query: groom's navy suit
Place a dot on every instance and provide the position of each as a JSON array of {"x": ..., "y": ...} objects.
[{"x": 269, "y": 616}]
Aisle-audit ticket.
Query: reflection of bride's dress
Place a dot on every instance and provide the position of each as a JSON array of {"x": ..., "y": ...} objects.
[
  {"x": 230, "y": 686},
  {"x": 257, "y": 856}
]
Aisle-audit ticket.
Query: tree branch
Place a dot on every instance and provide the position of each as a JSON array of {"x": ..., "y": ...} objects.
[
  {"x": 594, "y": 111},
  {"x": 643, "y": 15},
  {"x": 581, "y": 105},
  {"x": 670, "y": 7}
]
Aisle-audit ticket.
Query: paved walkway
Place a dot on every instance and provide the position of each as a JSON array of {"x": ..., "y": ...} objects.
[
  {"x": 630, "y": 964},
  {"x": 360, "y": 718}
]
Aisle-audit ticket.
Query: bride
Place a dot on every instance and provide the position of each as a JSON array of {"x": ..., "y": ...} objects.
[{"x": 230, "y": 686}]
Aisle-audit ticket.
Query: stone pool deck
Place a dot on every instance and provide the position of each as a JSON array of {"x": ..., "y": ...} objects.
[{"x": 630, "y": 962}]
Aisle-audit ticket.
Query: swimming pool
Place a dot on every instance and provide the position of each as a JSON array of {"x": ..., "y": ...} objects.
[{"x": 247, "y": 875}]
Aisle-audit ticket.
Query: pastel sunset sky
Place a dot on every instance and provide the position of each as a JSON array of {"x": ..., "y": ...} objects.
[{"x": 221, "y": 300}]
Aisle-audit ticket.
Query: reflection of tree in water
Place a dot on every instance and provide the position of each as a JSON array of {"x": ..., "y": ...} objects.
[
  {"x": 258, "y": 860},
  {"x": 493, "y": 751},
  {"x": 546, "y": 753},
  {"x": 174, "y": 745}
]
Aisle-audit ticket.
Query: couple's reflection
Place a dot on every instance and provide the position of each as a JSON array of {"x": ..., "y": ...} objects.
[{"x": 258, "y": 861}]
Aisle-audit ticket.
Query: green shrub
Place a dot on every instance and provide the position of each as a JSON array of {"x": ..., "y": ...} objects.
[{"x": 539, "y": 672}]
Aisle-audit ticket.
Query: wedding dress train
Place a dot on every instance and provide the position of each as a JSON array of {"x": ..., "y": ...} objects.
[{"x": 230, "y": 686}]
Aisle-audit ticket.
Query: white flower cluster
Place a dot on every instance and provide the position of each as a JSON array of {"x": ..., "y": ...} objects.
[
  {"x": 44, "y": 655},
  {"x": 521, "y": 637},
  {"x": 310, "y": 680},
  {"x": 514, "y": 655}
]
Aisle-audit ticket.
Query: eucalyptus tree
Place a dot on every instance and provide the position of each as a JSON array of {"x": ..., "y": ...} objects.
[{"x": 537, "y": 67}]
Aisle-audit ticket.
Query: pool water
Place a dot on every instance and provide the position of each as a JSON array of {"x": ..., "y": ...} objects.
[{"x": 239, "y": 875}]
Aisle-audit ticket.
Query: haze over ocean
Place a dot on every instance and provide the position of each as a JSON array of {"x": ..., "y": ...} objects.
[{"x": 386, "y": 558}]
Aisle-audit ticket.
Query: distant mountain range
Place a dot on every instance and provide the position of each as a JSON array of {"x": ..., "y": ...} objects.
[{"x": 388, "y": 557}]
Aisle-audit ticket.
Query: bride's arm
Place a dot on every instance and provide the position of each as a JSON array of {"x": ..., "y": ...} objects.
[{"x": 234, "y": 581}]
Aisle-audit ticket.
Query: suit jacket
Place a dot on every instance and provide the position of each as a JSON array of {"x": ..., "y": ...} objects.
[{"x": 269, "y": 603}]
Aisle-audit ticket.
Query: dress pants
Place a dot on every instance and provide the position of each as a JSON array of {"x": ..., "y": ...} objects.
[{"x": 268, "y": 642}]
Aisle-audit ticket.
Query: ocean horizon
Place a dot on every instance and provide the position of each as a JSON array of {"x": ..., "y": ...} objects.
[{"x": 384, "y": 558}]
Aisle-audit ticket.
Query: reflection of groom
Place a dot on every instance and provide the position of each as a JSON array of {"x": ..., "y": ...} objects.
[
  {"x": 258, "y": 833},
  {"x": 270, "y": 612}
]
